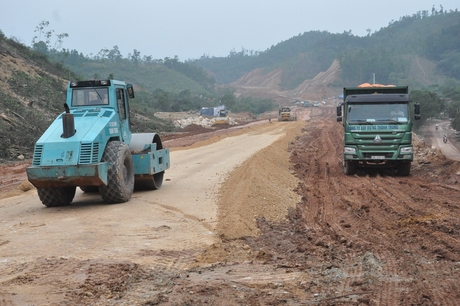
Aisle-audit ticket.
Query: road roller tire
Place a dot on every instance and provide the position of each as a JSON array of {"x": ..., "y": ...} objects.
[
  {"x": 153, "y": 182},
  {"x": 120, "y": 173},
  {"x": 56, "y": 196}
]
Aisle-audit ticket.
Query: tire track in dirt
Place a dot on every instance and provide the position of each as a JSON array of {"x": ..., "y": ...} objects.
[
  {"x": 314, "y": 211},
  {"x": 404, "y": 205},
  {"x": 396, "y": 204},
  {"x": 389, "y": 275},
  {"x": 368, "y": 239},
  {"x": 408, "y": 213},
  {"x": 323, "y": 182},
  {"x": 401, "y": 227}
]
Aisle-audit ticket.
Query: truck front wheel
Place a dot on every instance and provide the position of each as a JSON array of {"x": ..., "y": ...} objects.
[
  {"x": 56, "y": 196},
  {"x": 120, "y": 173},
  {"x": 349, "y": 167},
  {"x": 404, "y": 168}
]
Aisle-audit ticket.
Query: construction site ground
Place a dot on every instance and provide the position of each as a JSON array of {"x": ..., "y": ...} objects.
[{"x": 259, "y": 214}]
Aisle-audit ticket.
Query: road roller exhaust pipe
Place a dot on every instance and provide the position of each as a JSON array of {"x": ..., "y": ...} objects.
[{"x": 68, "y": 123}]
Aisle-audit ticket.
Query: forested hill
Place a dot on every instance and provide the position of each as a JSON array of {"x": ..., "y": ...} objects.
[{"x": 432, "y": 36}]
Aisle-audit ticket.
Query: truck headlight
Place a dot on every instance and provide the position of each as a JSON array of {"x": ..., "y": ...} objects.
[
  {"x": 407, "y": 150},
  {"x": 348, "y": 150}
]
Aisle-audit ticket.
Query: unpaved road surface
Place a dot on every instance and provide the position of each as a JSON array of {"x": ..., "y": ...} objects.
[
  {"x": 435, "y": 136},
  {"x": 256, "y": 216}
]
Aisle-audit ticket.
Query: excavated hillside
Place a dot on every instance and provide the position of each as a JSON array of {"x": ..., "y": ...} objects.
[
  {"x": 320, "y": 86},
  {"x": 32, "y": 94},
  {"x": 259, "y": 83},
  {"x": 267, "y": 84},
  {"x": 259, "y": 79}
]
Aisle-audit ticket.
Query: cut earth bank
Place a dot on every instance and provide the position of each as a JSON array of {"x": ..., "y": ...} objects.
[{"x": 261, "y": 215}]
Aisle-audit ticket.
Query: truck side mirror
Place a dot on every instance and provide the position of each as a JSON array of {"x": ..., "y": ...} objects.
[
  {"x": 130, "y": 90},
  {"x": 339, "y": 111},
  {"x": 417, "y": 111}
]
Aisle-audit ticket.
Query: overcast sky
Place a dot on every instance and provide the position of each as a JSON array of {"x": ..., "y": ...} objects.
[{"x": 189, "y": 29}]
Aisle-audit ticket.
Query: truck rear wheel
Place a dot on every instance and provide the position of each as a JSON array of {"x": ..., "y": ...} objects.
[
  {"x": 404, "y": 168},
  {"x": 120, "y": 173},
  {"x": 349, "y": 167},
  {"x": 56, "y": 196}
]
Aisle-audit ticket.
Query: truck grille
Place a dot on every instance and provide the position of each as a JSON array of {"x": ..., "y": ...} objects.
[
  {"x": 37, "y": 155},
  {"x": 89, "y": 153}
]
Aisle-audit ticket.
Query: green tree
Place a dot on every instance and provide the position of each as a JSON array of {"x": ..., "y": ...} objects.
[
  {"x": 430, "y": 104},
  {"x": 44, "y": 45},
  {"x": 41, "y": 47},
  {"x": 114, "y": 54},
  {"x": 229, "y": 101},
  {"x": 450, "y": 64},
  {"x": 135, "y": 57},
  {"x": 40, "y": 30}
]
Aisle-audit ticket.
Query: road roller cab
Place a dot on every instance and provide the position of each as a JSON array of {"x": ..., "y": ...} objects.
[{"x": 90, "y": 145}]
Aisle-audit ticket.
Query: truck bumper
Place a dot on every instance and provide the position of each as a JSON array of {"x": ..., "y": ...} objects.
[
  {"x": 67, "y": 176},
  {"x": 405, "y": 154}
]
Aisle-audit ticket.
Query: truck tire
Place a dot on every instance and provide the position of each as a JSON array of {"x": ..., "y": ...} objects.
[
  {"x": 120, "y": 173},
  {"x": 56, "y": 196},
  {"x": 404, "y": 168},
  {"x": 349, "y": 167}
]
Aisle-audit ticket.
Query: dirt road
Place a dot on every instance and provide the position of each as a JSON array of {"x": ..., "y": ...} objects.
[
  {"x": 450, "y": 149},
  {"x": 258, "y": 216},
  {"x": 163, "y": 228}
]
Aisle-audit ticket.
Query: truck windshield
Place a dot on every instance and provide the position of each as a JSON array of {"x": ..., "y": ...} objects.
[
  {"x": 366, "y": 113},
  {"x": 90, "y": 96}
]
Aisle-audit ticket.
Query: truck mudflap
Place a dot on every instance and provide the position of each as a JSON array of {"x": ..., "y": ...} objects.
[{"x": 69, "y": 175}]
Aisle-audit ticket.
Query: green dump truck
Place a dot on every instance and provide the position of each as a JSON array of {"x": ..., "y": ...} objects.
[{"x": 377, "y": 125}]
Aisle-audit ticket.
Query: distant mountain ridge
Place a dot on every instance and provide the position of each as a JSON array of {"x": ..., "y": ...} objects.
[{"x": 417, "y": 50}]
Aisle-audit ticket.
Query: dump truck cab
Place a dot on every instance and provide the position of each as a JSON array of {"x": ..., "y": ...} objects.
[{"x": 377, "y": 128}]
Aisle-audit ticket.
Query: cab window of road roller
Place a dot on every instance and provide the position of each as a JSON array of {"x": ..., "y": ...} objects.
[
  {"x": 121, "y": 104},
  {"x": 90, "y": 96}
]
